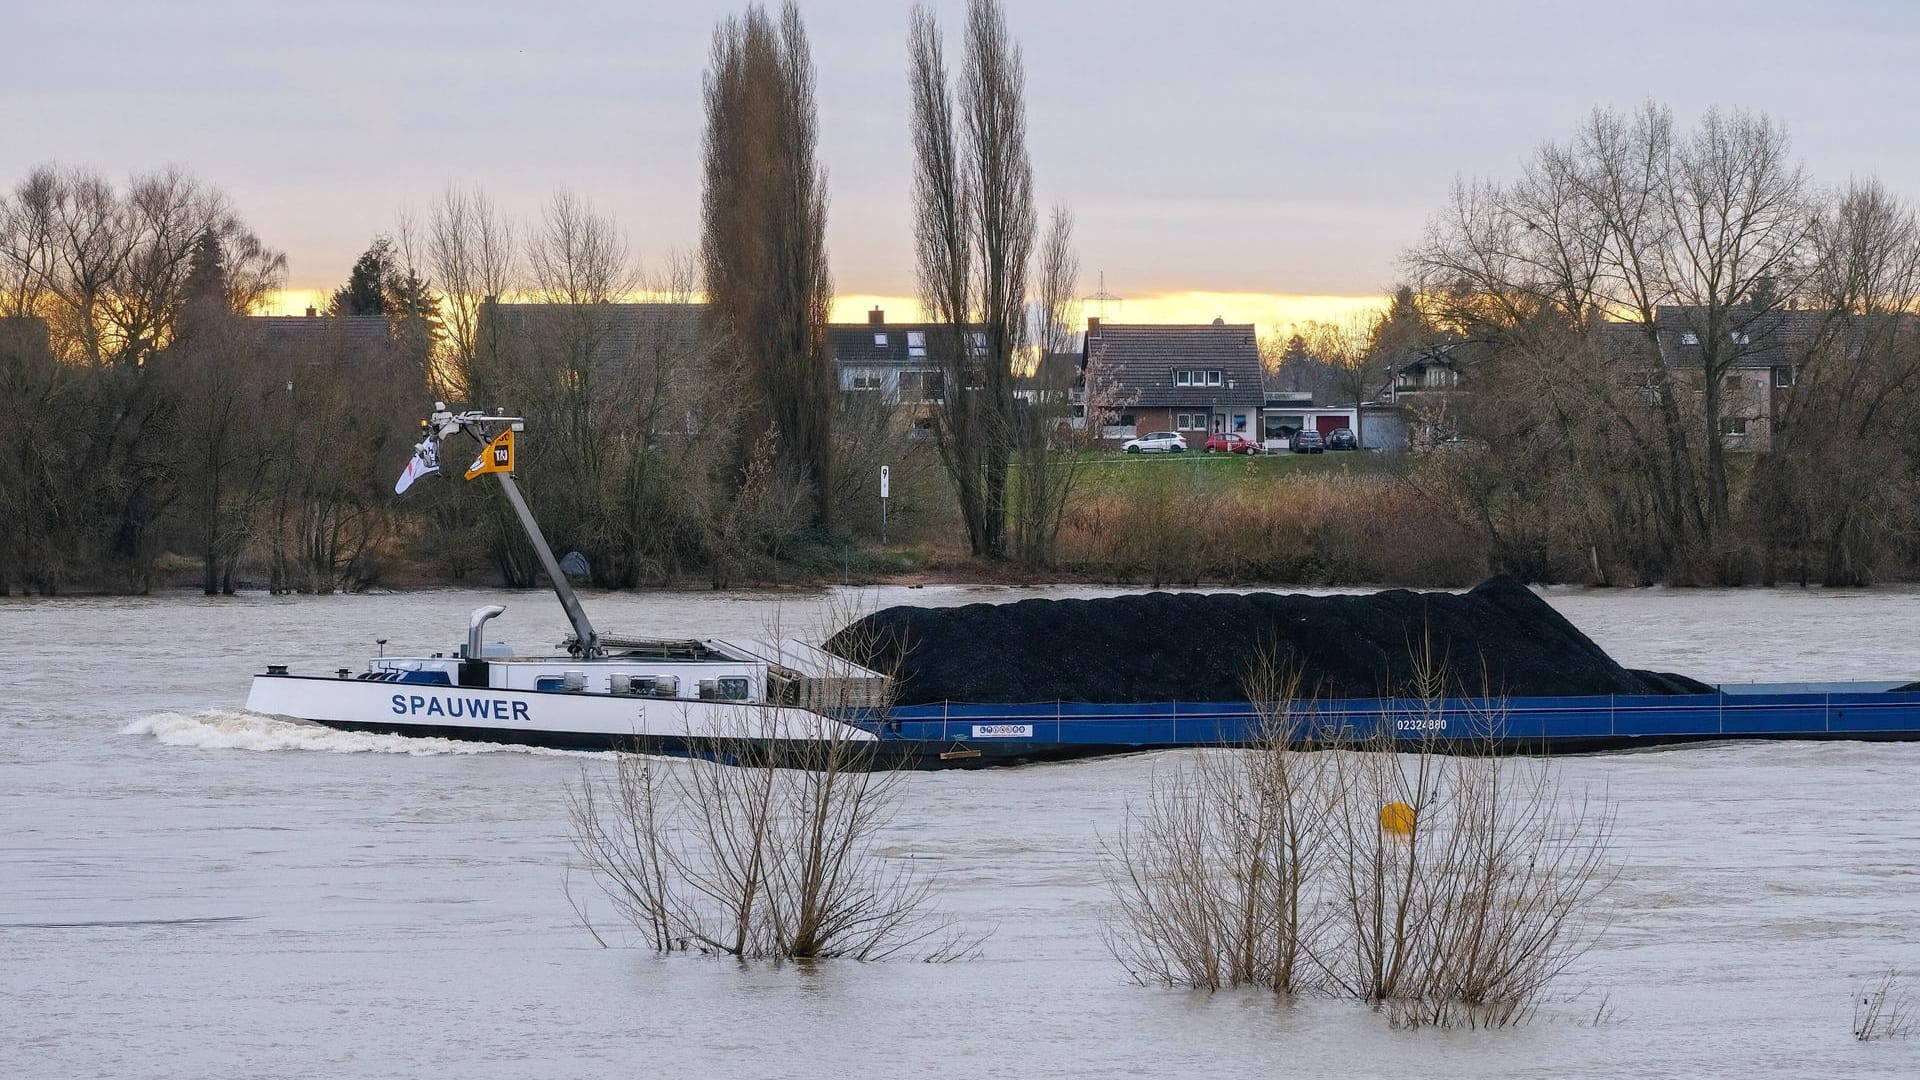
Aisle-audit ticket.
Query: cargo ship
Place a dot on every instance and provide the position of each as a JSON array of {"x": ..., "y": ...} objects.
[{"x": 786, "y": 700}]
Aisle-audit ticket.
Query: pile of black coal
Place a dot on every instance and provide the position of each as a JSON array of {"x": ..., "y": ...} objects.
[{"x": 1498, "y": 638}]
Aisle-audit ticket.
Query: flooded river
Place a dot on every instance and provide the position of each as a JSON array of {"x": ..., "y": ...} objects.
[{"x": 189, "y": 891}]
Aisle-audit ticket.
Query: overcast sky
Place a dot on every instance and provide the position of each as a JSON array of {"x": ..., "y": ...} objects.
[{"x": 1206, "y": 146}]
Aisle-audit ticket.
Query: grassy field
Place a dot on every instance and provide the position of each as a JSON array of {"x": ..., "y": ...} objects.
[{"x": 1116, "y": 472}]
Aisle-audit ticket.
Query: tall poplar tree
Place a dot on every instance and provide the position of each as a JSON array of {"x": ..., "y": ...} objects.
[{"x": 763, "y": 245}]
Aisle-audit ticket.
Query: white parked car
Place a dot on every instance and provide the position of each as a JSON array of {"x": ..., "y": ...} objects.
[{"x": 1156, "y": 442}]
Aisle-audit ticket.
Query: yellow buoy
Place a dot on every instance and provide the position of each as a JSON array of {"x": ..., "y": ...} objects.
[{"x": 1397, "y": 818}]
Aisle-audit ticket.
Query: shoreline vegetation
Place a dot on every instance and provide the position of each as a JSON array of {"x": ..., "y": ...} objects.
[
  {"x": 1656, "y": 354},
  {"x": 1178, "y": 523}
]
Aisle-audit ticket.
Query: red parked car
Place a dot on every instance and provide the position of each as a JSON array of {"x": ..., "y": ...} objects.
[{"x": 1229, "y": 443}]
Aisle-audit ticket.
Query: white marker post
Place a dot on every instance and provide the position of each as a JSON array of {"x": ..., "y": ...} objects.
[{"x": 885, "y": 474}]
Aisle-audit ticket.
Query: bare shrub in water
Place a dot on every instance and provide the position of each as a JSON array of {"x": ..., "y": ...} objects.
[
  {"x": 1883, "y": 1010},
  {"x": 766, "y": 848},
  {"x": 1210, "y": 876},
  {"x": 1273, "y": 866}
]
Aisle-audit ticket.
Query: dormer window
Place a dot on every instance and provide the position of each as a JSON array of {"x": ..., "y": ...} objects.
[
  {"x": 1689, "y": 338},
  {"x": 916, "y": 343},
  {"x": 879, "y": 341},
  {"x": 1183, "y": 378},
  {"x": 1740, "y": 337}
]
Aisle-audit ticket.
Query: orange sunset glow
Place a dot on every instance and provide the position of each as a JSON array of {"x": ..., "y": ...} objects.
[{"x": 1272, "y": 313}]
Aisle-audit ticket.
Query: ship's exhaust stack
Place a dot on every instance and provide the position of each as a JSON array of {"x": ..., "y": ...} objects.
[{"x": 476, "y": 629}]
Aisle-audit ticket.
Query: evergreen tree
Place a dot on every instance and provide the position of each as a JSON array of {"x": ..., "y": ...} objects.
[
  {"x": 206, "y": 296},
  {"x": 207, "y": 272},
  {"x": 365, "y": 292}
]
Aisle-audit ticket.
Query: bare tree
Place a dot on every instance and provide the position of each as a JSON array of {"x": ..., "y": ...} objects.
[
  {"x": 105, "y": 270},
  {"x": 1698, "y": 235},
  {"x": 1829, "y": 495},
  {"x": 1347, "y": 354},
  {"x": 773, "y": 855},
  {"x": 975, "y": 227},
  {"x": 763, "y": 247},
  {"x": 471, "y": 248},
  {"x": 1048, "y": 447},
  {"x": 943, "y": 244}
]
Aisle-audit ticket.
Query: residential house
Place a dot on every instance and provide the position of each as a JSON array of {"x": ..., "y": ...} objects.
[
  {"x": 646, "y": 357},
  {"x": 1765, "y": 350},
  {"x": 1055, "y": 379},
  {"x": 1195, "y": 380},
  {"x": 889, "y": 361},
  {"x": 314, "y": 334},
  {"x": 1418, "y": 404},
  {"x": 611, "y": 337}
]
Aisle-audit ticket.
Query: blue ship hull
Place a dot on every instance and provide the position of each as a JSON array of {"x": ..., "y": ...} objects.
[{"x": 955, "y": 735}]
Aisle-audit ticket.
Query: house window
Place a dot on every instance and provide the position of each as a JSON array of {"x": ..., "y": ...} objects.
[
  {"x": 1740, "y": 337},
  {"x": 1689, "y": 338},
  {"x": 1183, "y": 378},
  {"x": 880, "y": 341},
  {"x": 864, "y": 380},
  {"x": 1127, "y": 419},
  {"x": 977, "y": 342},
  {"x": 1783, "y": 376},
  {"x": 1190, "y": 421},
  {"x": 1240, "y": 422},
  {"x": 920, "y": 385},
  {"x": 916, "y": 343},
  {"x": 1213, "y": 378},
  {"x": 1733, "y": 425}
]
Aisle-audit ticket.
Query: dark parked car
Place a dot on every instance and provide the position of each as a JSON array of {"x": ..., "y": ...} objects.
[
  {"x": 1309, "y": 442},
  {"x": 1342, "y": 439}
]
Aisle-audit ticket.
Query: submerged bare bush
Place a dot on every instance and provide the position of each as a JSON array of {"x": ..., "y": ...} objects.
[
  {"x": 1883, "y": 1010},
  {"x": 1211, "y": 876},
  {"x": 1467, "y": 916},
  {"x": 757, "y": 853},
  {"x": 765, "y": 847},
  {"x": 1449, "y": 888}
]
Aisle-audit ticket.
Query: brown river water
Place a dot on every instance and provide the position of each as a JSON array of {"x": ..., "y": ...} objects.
[{"x": 190, "y": 891}]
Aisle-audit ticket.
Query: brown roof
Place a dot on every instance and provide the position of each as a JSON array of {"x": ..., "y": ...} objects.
[
  {"x": 299, "y": 331},
  {"x": 1138, "y": 361},
  {"x": 1756, "y": 340},
  {"x": 616, "y": 333}
]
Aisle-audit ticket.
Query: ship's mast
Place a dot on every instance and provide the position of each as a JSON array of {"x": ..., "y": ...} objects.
[{"x": 483, "y": 427}]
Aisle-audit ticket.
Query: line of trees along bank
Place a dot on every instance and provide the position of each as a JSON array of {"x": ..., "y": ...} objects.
[
  {"x": 140, "y": 414},
  {"x": 1611, "y": 294}
]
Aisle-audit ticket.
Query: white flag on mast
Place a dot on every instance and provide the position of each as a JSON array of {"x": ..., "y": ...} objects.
[{"x": 426, "y": 459}]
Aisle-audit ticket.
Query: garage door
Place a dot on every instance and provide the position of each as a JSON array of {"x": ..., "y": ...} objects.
[{"x": 1326, "y": 425}]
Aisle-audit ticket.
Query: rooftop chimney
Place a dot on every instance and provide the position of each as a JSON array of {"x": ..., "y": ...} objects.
[
  {"x": 876, "y": 317},
  {"x": 311, "y": 312},
  {"x": 1093, "y": 326}
]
